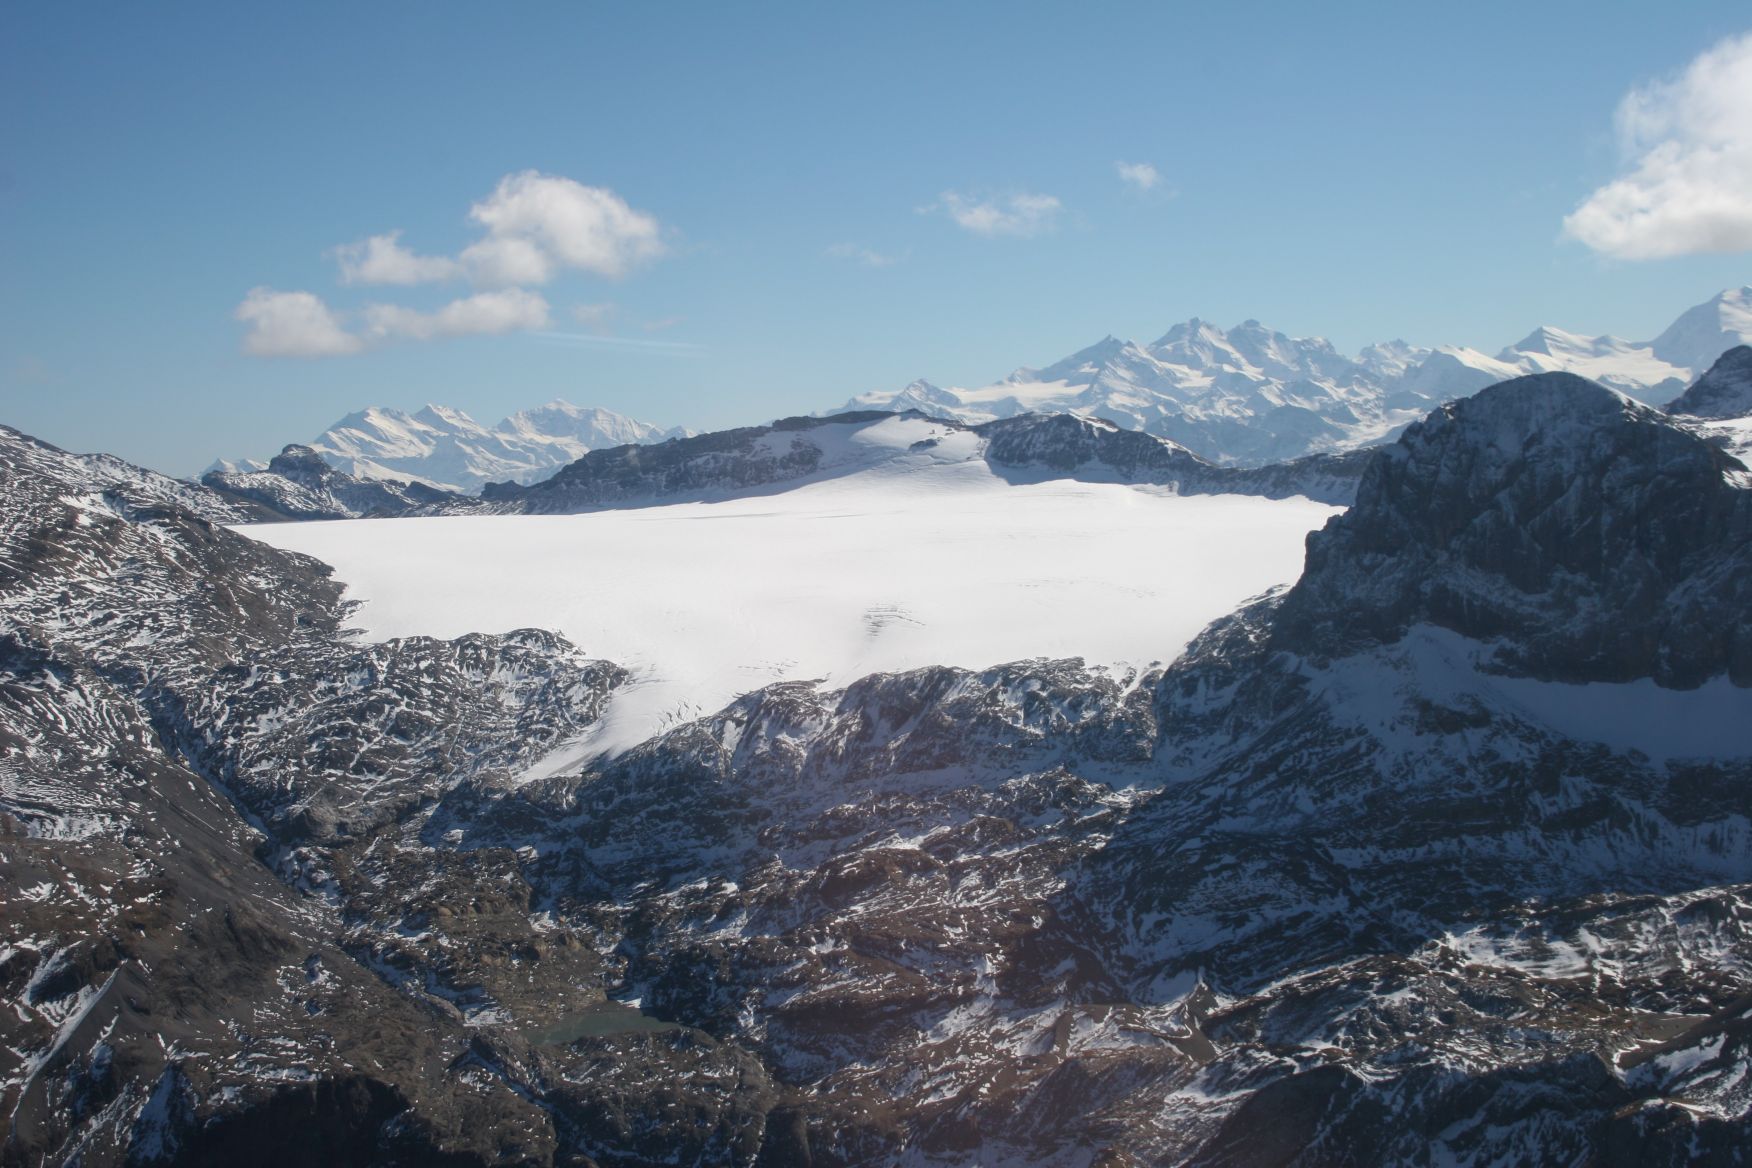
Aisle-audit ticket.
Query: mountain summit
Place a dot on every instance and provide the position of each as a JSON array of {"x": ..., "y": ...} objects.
[
  {"x": 1251, "y": 395},
  {"x": 1723, "y": 392},
  {"x": 1577, "y": 531},
  {"x": 444, "y": 448}
]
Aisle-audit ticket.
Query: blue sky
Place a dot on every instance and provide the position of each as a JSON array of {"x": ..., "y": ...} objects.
[{"x": 1357, "y": 171}]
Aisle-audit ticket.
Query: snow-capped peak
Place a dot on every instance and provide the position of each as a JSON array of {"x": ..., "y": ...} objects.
[
  {"x": 1251, "y": 394},
  {"x": 444, "y": 447},
  {"x": 1705, "y": 332},
  {"x": 1079, "y": 366},
  {"x": 1556, "y": 342}
]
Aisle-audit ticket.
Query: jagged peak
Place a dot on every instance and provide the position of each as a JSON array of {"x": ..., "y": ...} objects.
[
  {"x": 432, "y": 412},
  {"x": 1541, "y": 340},
  {"x": 1194, "y": 328},
  {"x": 1724, "y": 391},
  {"x": 1102, "y": 353},
  {"x": 371, "y": 417}
]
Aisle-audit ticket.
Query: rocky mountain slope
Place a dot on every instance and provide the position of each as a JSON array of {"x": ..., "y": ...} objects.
[
  {"x": 445, "y": 449},
  {"x": 1724, "y": 391},
  {"x": 174, "y": 996},
  {"x": 1251, "y": 395},
  {"x": 1395, "y": 867},
  {"x": 759, "y": 459},
  {"x": 1719, "y": 404},
  {"x": 297, "y": 483}
]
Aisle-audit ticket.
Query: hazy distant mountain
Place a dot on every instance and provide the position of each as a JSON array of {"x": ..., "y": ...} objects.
[
  {"x": 1253, "y": 395},
  {"x": 441, "y": 447}
]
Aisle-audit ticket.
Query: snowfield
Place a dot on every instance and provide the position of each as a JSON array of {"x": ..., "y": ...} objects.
[{"x": 911, "y": 563}]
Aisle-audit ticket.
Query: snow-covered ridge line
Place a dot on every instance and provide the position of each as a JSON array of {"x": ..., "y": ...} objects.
[
  {"x": 1251, "y": 395},
  {"x": 793, "y": 452},
  {"x": 445, "y": 449}
]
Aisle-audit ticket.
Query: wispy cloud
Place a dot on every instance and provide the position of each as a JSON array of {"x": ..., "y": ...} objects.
[
  {"x": 605, "y": 341},
  {"x": 1687, "y": 141},
  {"x": 508, "y": 310},
  {"x": 33, "y": 370},
  {"x": 1140, "y": 176},
  {"x": 1018, "y": 215},
  {"x": 858, "y": 253},
  {"x": 594, "y": 317},
  {"x": 300, "y": 324}
]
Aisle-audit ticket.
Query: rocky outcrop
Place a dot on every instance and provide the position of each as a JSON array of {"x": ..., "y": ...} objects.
[
  {"x": 1073, "y": 446},
  {"x": 299, "y": 484},
  {"x": 1578, "y": 531},
  {"x": 705, "y": 465},
  {"x": 178, "y": 711},
  {"x": 1725, "y": 391}
]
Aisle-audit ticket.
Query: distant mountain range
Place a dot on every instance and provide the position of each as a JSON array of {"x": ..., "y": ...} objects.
[
  {"x": 441, "y": 447},
  {"x": 1247, "y": 396},
  {"x": 1251, "y": 395}
]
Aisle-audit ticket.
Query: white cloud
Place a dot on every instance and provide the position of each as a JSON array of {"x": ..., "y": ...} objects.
[
  {"x": 292, "y": 324},
  {"x": 594, "y": 317},
  {"x": 534, "y": 227},
  {"x": 505, "y": 263},
  {"x": 1139, "y": 175},
  {"x": 1022, "y": 214},
  {"x": 381, "y": 259},
  {"x": 485, "y": 313},
  {"x": 1688, "y": 186},
  {"x": 858, "y": 253},
  {"x": 299, "y": 324},
  {"x": 538, "y": 224}
]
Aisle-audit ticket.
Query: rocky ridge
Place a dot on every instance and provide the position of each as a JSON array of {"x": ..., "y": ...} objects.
[
  {"x": 1349, "y": 882},
  {"x": 791, "y": 451},
  {"x": 1724, "y": 391},
  {"x": 297, "y": 483},
  {"x": 1486, "y": 519}
]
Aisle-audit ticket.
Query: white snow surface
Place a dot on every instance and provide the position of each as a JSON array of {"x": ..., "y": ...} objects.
[{"x": 922, "y": 559}]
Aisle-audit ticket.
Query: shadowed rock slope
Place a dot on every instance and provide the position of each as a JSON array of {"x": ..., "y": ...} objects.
[{"x": 1366, "y": 877}]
